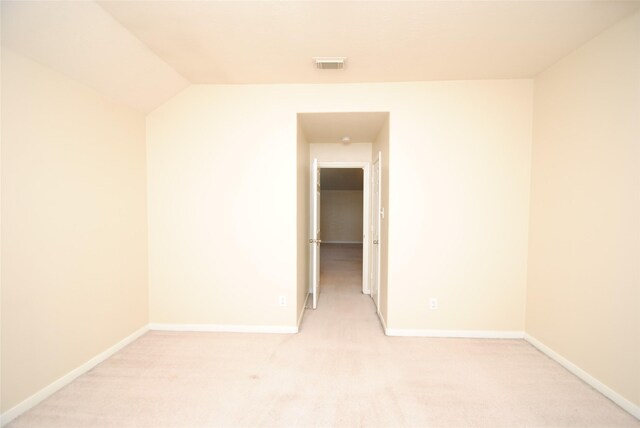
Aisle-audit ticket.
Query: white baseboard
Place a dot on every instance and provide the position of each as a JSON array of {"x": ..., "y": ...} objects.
[
  {"x": 595, "y": 383},
  {"x": 225, "y": 328},
  {"x": 45, "y": 392},
  {"x": 304, "y": 307},
  {"x": 472, "y": 334}
]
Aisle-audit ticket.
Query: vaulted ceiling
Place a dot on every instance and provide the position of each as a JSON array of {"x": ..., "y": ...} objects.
[{"x": 143, "y": 52}]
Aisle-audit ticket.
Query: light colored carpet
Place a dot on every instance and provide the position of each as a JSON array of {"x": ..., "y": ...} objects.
[{"x": 340, "y": 370}]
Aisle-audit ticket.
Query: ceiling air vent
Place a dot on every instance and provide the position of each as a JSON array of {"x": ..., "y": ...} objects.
[{"x": 329, "y": 63}]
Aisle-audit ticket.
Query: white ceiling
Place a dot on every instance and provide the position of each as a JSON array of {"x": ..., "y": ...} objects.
[
  {"x": 323, "y": 128},
  {"x": 273, "y": 41},
  {"x": 143, "y": 52}
]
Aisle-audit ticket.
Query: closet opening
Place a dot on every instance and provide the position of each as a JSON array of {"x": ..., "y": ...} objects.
[{"x": 342, "y": 228}]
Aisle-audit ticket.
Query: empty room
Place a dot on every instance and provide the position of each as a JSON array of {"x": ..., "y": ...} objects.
[{"x": 320, "y": 213}]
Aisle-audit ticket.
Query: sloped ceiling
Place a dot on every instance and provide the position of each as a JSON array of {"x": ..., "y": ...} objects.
[
  {"x": 143, "y": 52},
  {"x": 82, "y": 41}
]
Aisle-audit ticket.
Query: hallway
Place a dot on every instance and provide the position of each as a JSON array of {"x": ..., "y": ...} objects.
[
  {"x": 345, "y": 319},
  {"x": 341, "y": 302}
]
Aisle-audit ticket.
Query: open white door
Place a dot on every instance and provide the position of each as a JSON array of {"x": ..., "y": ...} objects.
[
  {"x": 314, "y": 240},
  {"x": 376, "y": 205}
]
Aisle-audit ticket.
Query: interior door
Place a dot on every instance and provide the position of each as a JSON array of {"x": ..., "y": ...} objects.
[
  {"x": 376, "y": 204},
  {"x": 314, "y": 240}
]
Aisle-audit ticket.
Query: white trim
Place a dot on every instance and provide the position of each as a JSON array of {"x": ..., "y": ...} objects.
[
  {"x": 53, "y": 387},
  {"x": 366, "y": 227},
  {"x": 314, "y": 232},
  {"x": 225, "y": 328},
  {"x": 586, "y": 377},
  {"x": 375, "y": 225},
  {"x": 473, "y": 334},
  {"x": 304, "y": 307}
]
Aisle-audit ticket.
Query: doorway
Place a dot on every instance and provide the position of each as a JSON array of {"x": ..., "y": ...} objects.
[
  {"x": 340, "y": 221},
  {"x": 329, "y": 141},
  {"x": 343, "y": 226}
]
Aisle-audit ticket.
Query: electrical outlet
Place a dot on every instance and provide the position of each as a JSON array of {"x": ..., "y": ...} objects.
[
  {"x": 433, "y": 303},
  {"x": 282, "y": 300}
]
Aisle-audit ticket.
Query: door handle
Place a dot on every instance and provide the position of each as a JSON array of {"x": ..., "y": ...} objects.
[{"x": 375, "y": 241}]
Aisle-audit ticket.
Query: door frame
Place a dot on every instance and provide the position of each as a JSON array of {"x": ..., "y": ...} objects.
[
  {"x": 366, "y": 213},
  {"x": 314, "y": 240},
  {"x": 376, "y": 222}
]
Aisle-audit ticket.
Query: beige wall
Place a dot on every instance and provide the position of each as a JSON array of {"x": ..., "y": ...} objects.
[
  {"x": 222, "y": 193},
  {"x": 584, "y": 259},
  {"x": 74, "y": 269},
  {"x": 459, "y": 207},
  {"x": 222, "y": 245},
  {"x": 353, "y": 152},
  {"x": 341, "y": 216}
]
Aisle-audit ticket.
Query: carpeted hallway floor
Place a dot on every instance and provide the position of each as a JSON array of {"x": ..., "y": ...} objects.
[{"x": 340, "y": 370}]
